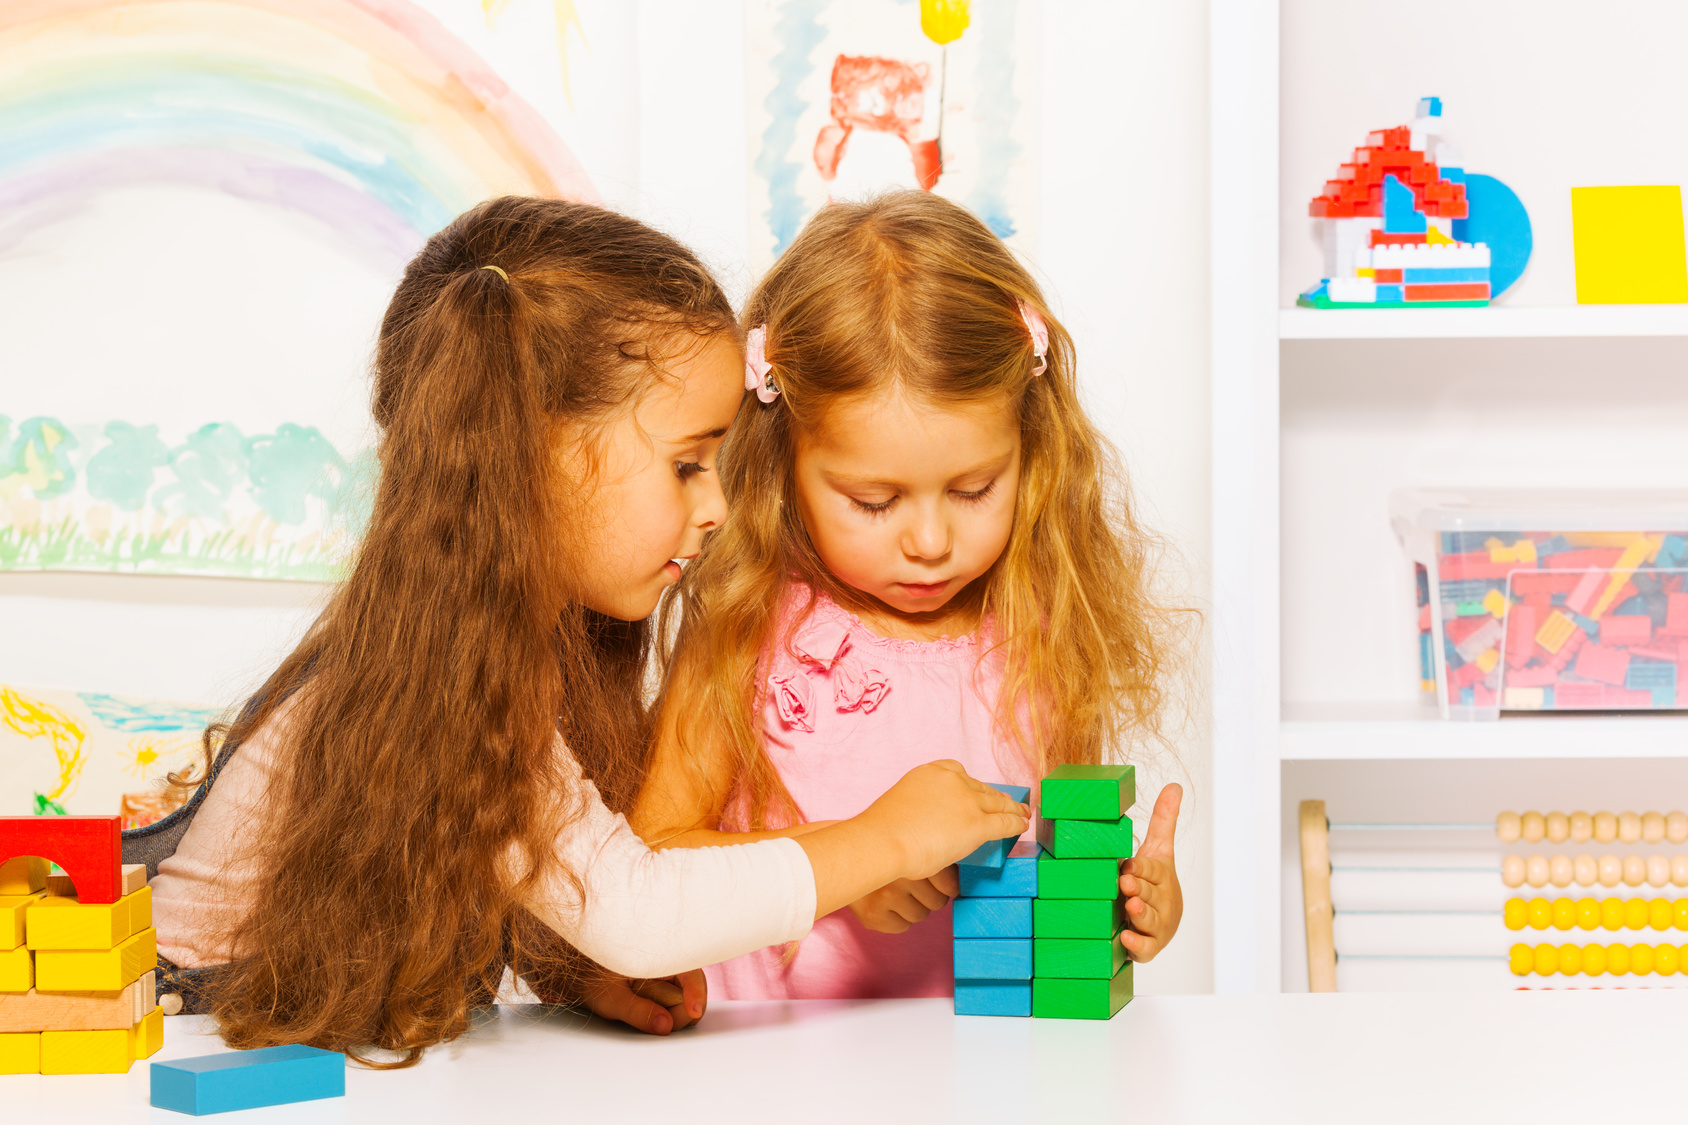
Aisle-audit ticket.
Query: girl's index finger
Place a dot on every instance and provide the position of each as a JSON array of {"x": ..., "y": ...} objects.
[{"x": 1163, "y": 821}]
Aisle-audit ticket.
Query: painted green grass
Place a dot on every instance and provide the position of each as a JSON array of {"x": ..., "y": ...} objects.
[{"x": 65, "y": 546}]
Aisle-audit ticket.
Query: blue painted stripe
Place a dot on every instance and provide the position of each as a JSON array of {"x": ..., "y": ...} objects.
[
  {"x": 1448, "y": 276},
  {"x": 1390, "y": 293}
]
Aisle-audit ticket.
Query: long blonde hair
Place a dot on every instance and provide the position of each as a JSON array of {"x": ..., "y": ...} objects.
[{"x": 912, "y": 292}]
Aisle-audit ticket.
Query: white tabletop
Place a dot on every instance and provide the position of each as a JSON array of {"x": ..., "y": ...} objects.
[{"x": 1493, "y": 1057}]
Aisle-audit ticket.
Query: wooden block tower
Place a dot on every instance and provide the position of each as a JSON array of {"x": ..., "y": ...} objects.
[
  {"x": 1082, "y": 968},
  {"x": 77, "y": 951},
  {"x": 992, "y": 926}
]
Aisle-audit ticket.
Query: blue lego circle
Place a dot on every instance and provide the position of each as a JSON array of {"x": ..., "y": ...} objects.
[{"x": 1497, "y": 218}]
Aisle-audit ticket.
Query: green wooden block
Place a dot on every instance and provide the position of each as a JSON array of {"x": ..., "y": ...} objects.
[
  {"x": 1072, "y": 958},
  {"x": 1078, "y": 917},
  {"x": 1057, "y": 998},
  {"x": 1085, "y": 839},
  {"x": 1077, "y": 878},
  {"x": 1088, "y": 792}
]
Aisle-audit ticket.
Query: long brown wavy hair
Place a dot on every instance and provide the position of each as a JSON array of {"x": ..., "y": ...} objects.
[
  {"x": 911, "y": 291},
  {"x": 417, "y": 790}
]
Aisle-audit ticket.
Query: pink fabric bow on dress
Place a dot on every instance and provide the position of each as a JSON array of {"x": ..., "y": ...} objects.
[
  {"x": 1040, "y": 335},
  {"x": 756, "y": 365}
]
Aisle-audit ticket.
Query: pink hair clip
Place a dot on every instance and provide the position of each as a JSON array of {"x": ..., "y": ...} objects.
[
  {"x": 1040, "y": 335},
  {"x": 757, "y": 369}
]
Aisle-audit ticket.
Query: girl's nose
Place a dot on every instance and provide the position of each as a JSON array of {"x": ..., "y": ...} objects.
[
  {"x": 712, "y": 505},
  {"x": 927, "y": 536}
]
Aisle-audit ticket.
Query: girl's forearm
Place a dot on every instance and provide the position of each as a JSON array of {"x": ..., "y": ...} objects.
[{"x": 850, "y": 859}]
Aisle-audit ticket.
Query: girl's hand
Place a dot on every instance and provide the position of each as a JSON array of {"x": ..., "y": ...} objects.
[
  {"x": 894, "y": 908},
  {"x": 1154, "y": 902},
  {"x": 655, "y": 1007},
  {"x": 938, "y": 814}
]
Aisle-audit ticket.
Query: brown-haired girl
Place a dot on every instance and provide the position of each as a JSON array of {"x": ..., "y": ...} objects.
[
  {"x": 421, "y": 794},
  {"x": 929, "y": 552}
]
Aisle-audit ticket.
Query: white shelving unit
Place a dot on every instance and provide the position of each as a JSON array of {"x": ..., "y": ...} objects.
[{"x": 1256, "y": 735}]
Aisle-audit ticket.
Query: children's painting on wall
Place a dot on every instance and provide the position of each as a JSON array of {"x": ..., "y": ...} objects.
[
  {"x": 203, "y": 209},
  {"x": 849, "y": 97}
]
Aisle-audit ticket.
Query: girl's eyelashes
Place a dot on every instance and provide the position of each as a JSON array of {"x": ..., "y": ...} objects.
[
  {"x": 873, "y": 509},
  {"x": 976, "y": 496},
  {"x": 686, "y": 470}
]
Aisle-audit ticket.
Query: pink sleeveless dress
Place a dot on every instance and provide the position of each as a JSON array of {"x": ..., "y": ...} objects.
[{"x": 846, "y": 715}]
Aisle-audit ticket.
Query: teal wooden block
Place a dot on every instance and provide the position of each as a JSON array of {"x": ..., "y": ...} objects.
[
  {"x": 994, "y": 853},
  {"x": 993, "y": 997},
  {"x": 1058, "y": 998},
  {"x": 993, "y": 958},
  {"x": 1016, "y": 878},
  {"x": 1088, "y": 792},
  {"x": 1078, "y": 917},
  {"x": 1077, "y": 878},
  {"x": 248, "y": 1079},
  {"x": 992, "y": 918},
  {"x": 1088, "y": 958},
  {"x": 1086, "y": 839}
]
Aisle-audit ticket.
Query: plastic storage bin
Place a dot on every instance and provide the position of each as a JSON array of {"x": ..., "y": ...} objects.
[{"x": 1535, "y": 600}]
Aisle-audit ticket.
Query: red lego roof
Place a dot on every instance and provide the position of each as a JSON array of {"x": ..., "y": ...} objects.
[{"x": 1358, "y": 188}]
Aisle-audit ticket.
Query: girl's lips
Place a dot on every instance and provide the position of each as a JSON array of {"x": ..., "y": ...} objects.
[{"x": 924, "y": 589}]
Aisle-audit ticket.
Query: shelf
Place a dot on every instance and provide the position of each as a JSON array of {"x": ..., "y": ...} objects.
[
  {"x": 1494, "y": 322},
  {"x": 1374, "y": 731}
]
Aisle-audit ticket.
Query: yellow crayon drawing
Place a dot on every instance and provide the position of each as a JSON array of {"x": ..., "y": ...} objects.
[{"x": 34, "y": 719}]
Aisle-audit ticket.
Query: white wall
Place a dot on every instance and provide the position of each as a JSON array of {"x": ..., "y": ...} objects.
[{"x": 1123, "y": 252}]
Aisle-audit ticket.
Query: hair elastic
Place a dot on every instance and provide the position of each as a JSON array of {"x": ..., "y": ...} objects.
[
  {"x": 1040, "y": 335},
  {"x": 497, "y": 271},
  {"x": 758, "y": 372}
]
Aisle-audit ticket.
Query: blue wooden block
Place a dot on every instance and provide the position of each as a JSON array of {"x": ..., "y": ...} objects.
[
  {"x": 1016, "y": 878},
  {"x": 248, "y": 1079},
  {"x": 993, "y": 958},
  {"x": 992, "y": 918},
  {"x": 993, "y": 853},
  {"x": 1446, "y": 275},
  {"x": 993, "y": 997}
]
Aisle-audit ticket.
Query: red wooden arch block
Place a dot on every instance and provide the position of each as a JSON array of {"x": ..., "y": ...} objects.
[{"x": 89, "y": 848}]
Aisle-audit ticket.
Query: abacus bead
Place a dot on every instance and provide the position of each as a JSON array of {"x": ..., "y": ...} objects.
[
  {"x": 1605, "y": 827},
  {"x": 1547, "y": 959},
  {"x": 1507, "y": 827},
  {"x": 1611, "y": 871},
  {"x": 1541, "y": 914},
  {"x": 1558, "y": 827},
  {"x": 1570, "y": 959},
  {"x": 1679, "y": 870},
  {"x": 1533, "y": 827},
  {"x": 1594, "y": 959},
  {"x": 1561, "y": 870},
  {"x": 1676, "y": 827},
  {"x": 1612, "y": 914},
  {"x": 1665, "y": 959},
  {"x": 1636, "y": 913},
  {"x": 1679, "y": 909},
  {"x": 1641, "y": 959},
  {"x": 1658, "y": 871},
  {"x": 1617, "y": 958},
  {"x": 1523, "y": 960},
  {"x": 1635, "y": 870},
  {"x": 1652, "y": 827},
  {"x": 1564, "y": 913},
  {"x": 1629, "y": 828},
  {"x": 1586, "y": 870},
  {"x": 1517, "y": 913},
  {"x": 1588, "y": 913},
  {"x": 1660, "y": 914},
  {"x": 1512, "y": 871},
  {"x": 1536, "y": 870},
  {"x": 1582, "y": 827}
]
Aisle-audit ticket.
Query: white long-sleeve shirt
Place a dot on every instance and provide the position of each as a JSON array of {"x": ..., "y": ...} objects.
[{"x": 645, "y": 914}]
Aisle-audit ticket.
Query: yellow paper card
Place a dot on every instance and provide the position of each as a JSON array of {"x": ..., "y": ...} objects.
[{"x": 1629, "y": 245}]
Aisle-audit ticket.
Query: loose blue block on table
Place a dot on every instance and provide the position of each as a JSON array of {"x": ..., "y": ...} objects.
[
  {"x": 248, "y": 1079},
  {"x": 992, "y": 918},
  {"x": 1016, "y": 878},
  {"x": 993, "y": 958},
  {"x": 993, "y": 997}
]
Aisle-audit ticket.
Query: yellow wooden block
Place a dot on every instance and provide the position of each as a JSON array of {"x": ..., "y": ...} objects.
[
  {"x": 17, "y": 970},
  {"x": 1629, "y": 246},
  {"x": 24, "y": 875},
  {"x": 20, "y": 1053},
  {"x": 95, "y": 970},
  {"x": 13, "y": 911},
  {"x": 87, "y": 1052},
  {"x": 148, "y": 1034},
  {"x": 64, "y": 923}
]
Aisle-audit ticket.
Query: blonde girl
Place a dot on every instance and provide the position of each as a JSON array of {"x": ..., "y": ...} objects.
[{"x": 930, "y": 553}]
